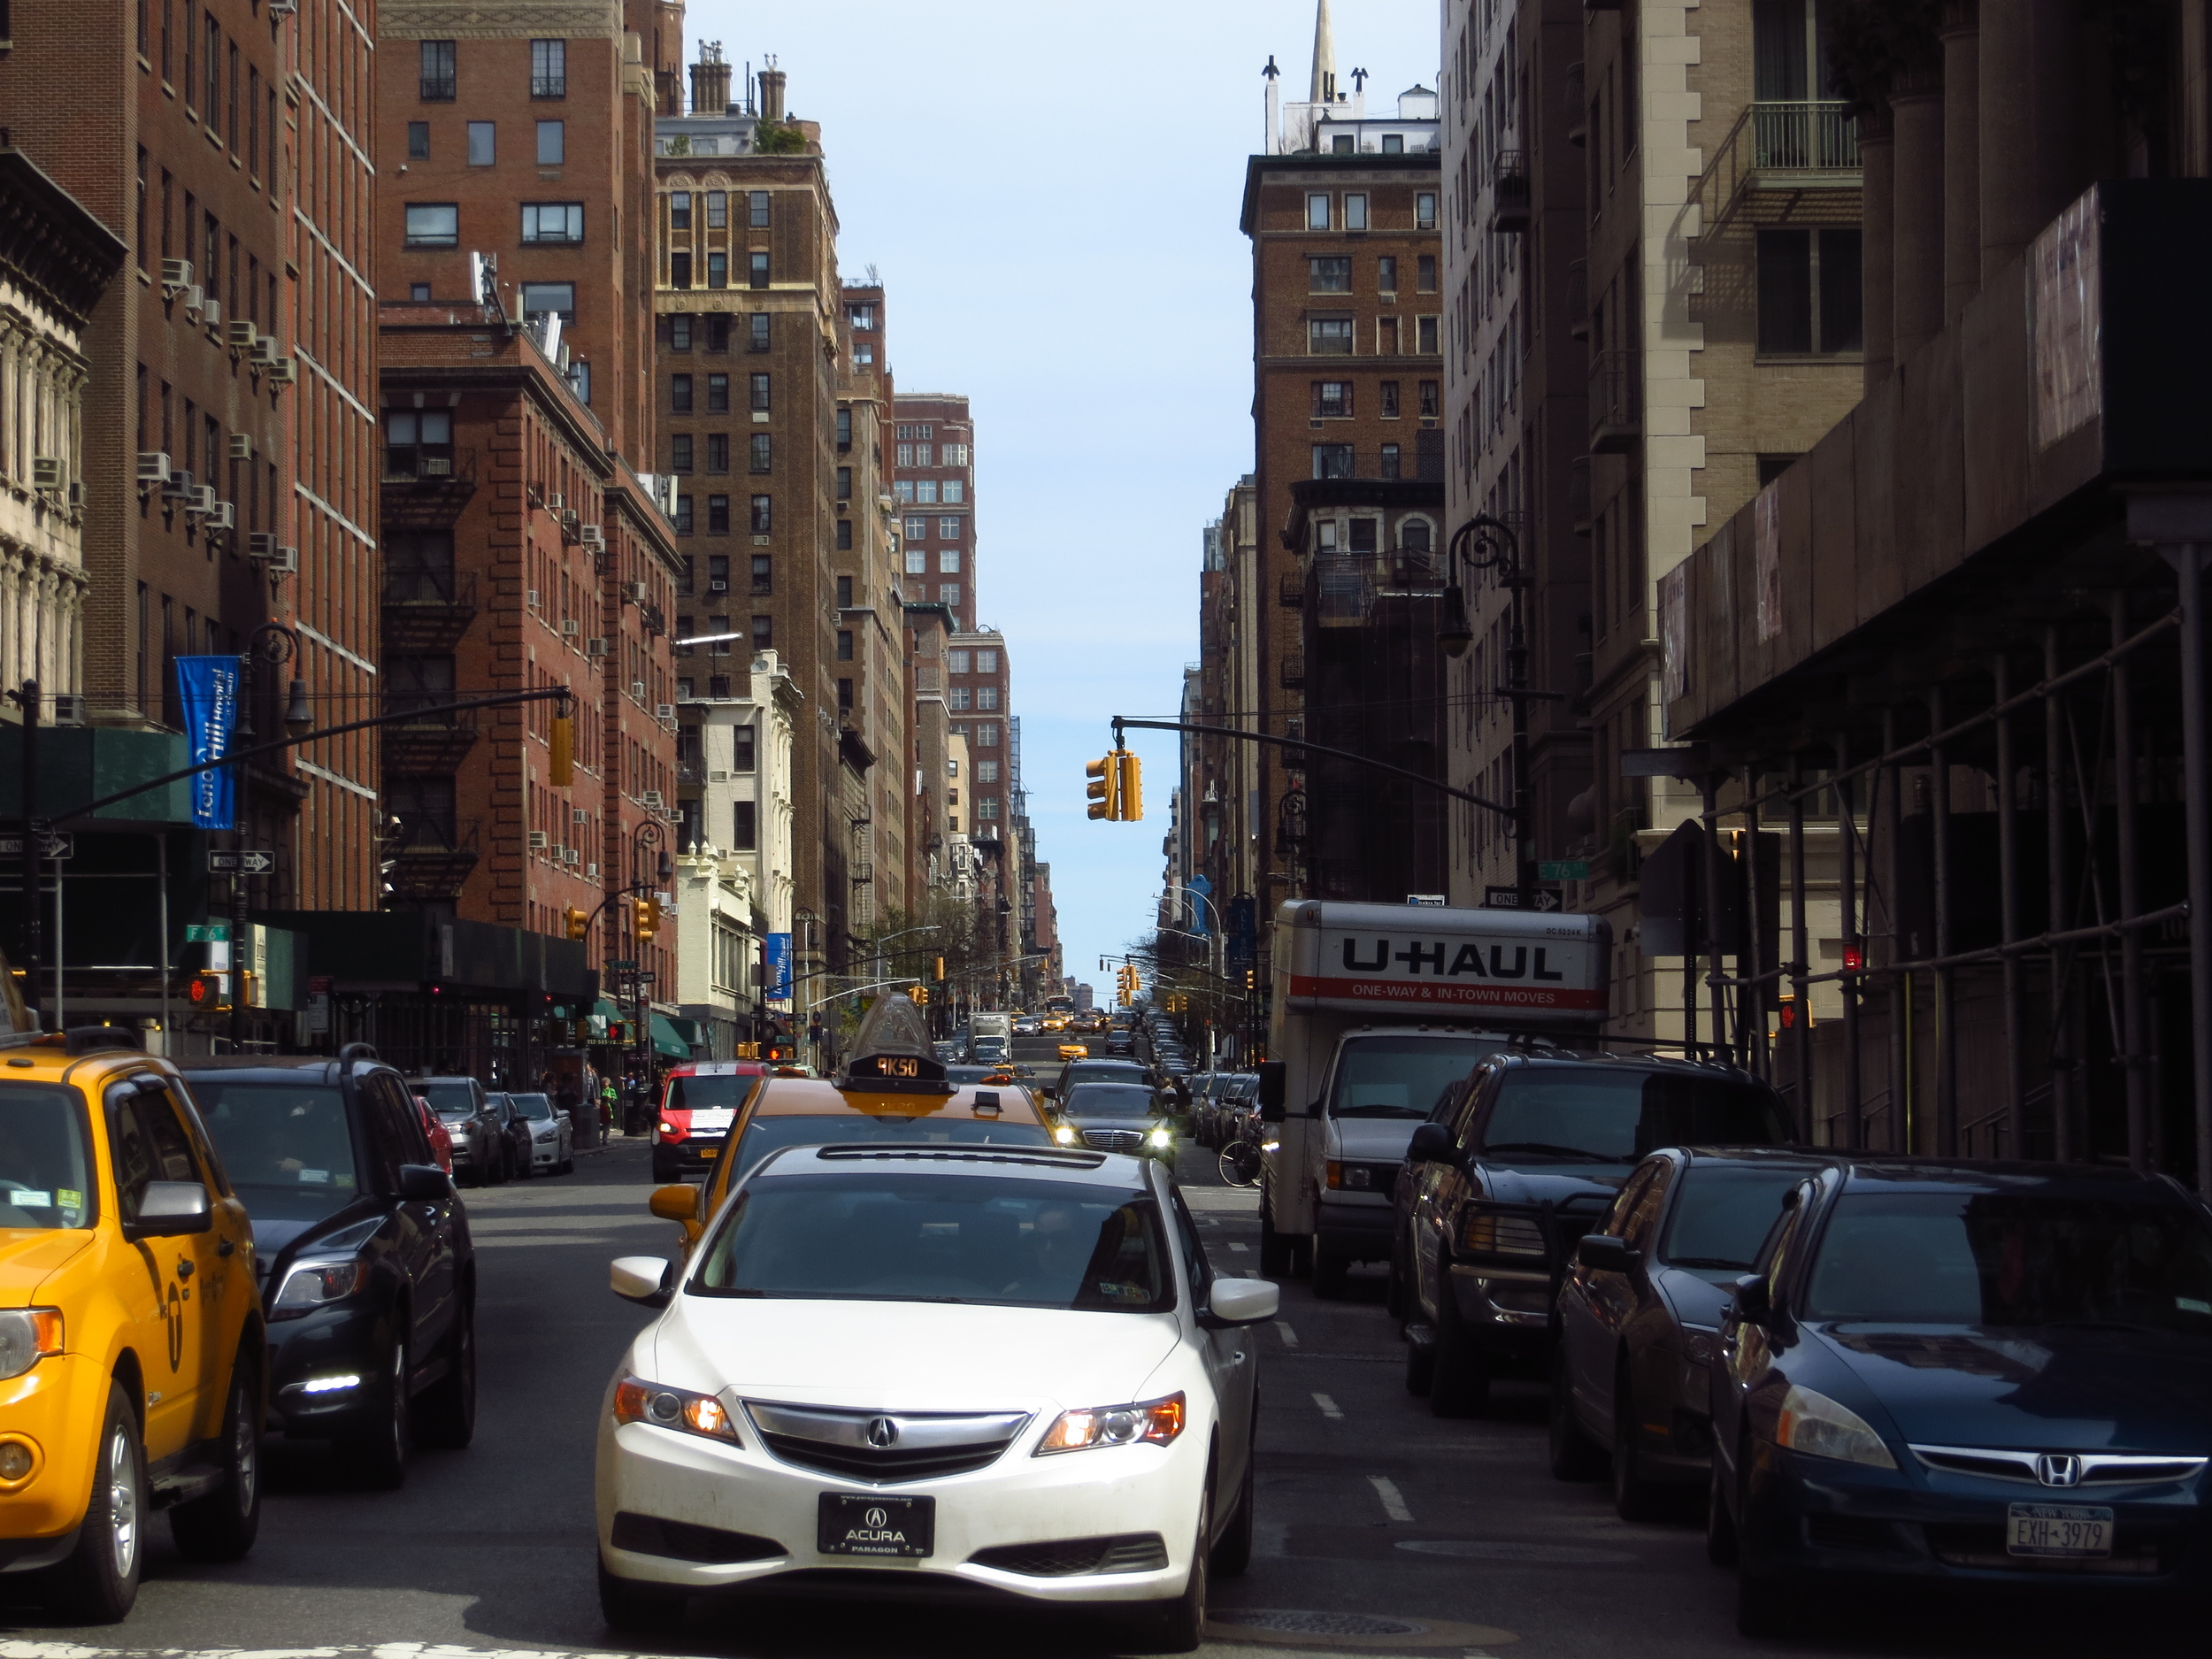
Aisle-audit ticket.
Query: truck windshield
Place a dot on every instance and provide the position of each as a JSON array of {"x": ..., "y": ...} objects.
[
  {"x": 1400, "y": 1077},
  {"x": 719, "y": 1091}
]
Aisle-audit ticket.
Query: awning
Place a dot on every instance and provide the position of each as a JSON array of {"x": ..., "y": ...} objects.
[
  {"x": 666, "y": 1043},
  {"x": 686, "y": 1030},
  {"x": 596, "y": 1022}
]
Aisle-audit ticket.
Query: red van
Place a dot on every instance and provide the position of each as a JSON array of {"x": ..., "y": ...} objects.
[{"x": 697, "y": 1104}]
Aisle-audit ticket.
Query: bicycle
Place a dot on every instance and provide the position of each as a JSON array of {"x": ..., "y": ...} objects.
[{"x": 1240, "y": 1161}]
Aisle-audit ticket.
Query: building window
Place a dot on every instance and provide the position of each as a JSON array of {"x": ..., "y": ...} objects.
[
  {"x": 418, "y": 443},
  {"x": 743, "y": 748},
  {"x": 949, "y": 529},
  {"x": 844, "y": 483},
  {"x": 1390, "y": 461},
  {"x": 948, "y": 593},
  {"x": 1331, "y": 400},
  {"x": 844, "y": 697},
  {"x": 756, "y": 209},
  {"x": 717, "y": 393},
  {"x": 680, "y": 395},
  {"x": 744, "y": 817},
  {"x": 987, "y": 697},
  {"x": 718, "y": 332},
  {"x": 1332, "y": 460},
  {"x": 864, "y": 317},
  {"x": 1387, "y": 274},
  {"x": 418, "y": 141},
  {"x": 1394, "y": 144},
  {"x": 1317, "y": 211},
  {"x": 955, "y": 491},
  {"x": 683, "y": 515},
  {"x": 986, "y": 662},
  {"x": 438, "y": 77},
  {"x": 926, "y": 491},
  {"x": 757, "y": 267},
  {"x": 1428, "y": 399},
  {"x": 1329, "y": 336},
  {"x": 483, "y": 143},
  {"x": 917, "y": 558},
  {"x": 987, "y": 806},
  {"x": 764, "y": 633},
  {"x": 903, "y": 489},
  {"x": 1331, "y": 274},
  {"x": 717, "y": 270},
  {"x": 758, "y": 340},
  {"x": 763, "y": 453},
  {"x": 718, "y": 210},
  {"x": 916, "y": 528},
  {"x": 718, "y": 515},
  {"x": 844, "y": 645},
  {"x": 680, "y": 210},
  {"x": 844, "y": 592},
  {"x": 1356, "y": 211},
  {"x": 718, "y": 631},
  {"x": 418, "y": 290},
  {"x": 1425, "y": 335},
  {"x": 760, "y": 394},
  {"x": 1808, "y": 292},
  {"x": 433, "y": 225},
  {"x": 1413, "y": 535},
  {"x": 764, "y": 576},
  {"x": 679, "y": 331},
  {"x": 958, "y": 697},
  {"x": 680, "y": 452},
  {"x": 1343, "y": 144},
  {"x": 948, "y": 560},
  {"x": 956, "y": 661},
  {"x": 1425, "y": 274},
  {"x": 552, "y": 144},
  {"x": 953, "y": 454},
  {"x": 679, "y": 273},
  {"x": 549, "y": 69},
  {"x": 844, "y": 430},
  {"x": 1389, "y": 395},
  {"x": 553, "y": 221},
  {"x": 987, "y": 771},
  {"x": 718, "y": 452},
  {"x": 763, "y": 514},
  {"x": 1425, "y": 209}
]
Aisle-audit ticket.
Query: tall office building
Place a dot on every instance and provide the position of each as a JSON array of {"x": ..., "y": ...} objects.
[{"x": 933, "y": 484}]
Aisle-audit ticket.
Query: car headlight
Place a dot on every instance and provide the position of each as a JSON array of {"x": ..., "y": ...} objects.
[
  {"x": 1820, "y": 1427},
  {"x": 637, "y": 1401},
  {"x": 1064, "y": 1135},
  {"x": 312, "y": 1284},
  {"x": 548, "y": 1134},
  {"x": 28, "y": 1335},
  {"x": 1487, "y": 1232},
  {"x": 1162, "y": 1137},
  {"x": 1158, "y": 1421},
  {"x": 1698, "y": 1345}
]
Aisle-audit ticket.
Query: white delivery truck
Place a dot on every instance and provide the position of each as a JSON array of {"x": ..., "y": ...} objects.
[
  {"x": 990, "y": 1038},
  {"x": 1378, "y": 1009}
]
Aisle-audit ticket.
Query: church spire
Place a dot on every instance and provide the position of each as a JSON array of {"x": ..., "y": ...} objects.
[{"x": 1324, "y": 58}]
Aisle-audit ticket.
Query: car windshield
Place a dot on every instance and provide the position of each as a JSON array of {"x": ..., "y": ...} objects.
[
  {"x": 2013, "y": 1259},
  {"x": 960, "y": 1074},
  {"x": 1399, "y": 1076},
  {"x": 287, "y": 1146},
  {"x": 765, "y": 1135},
  {"x": 1109, "y": 1100},
  {"x": 450, "y": 1100},
  {"x": 1723, "y": 1213},
  {"x": 43, "y": 1159},
  {"x": 722, "y": 1092},
  {"x": 537, "y": 1108},
  {"x": 1596, "y": 1114},
  {"x": 1122, "y": 1073},
  {"x": 879, "y": 1236}
]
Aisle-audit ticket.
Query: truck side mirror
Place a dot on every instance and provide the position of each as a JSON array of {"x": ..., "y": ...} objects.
[
  {"x": 1274, "y": 1090},
  {"x": 1754, "y": 1304},
  {"x": 1431, "y": 1143}
]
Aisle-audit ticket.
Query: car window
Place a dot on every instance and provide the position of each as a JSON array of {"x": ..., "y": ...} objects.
[
  {"x": 1642, "y": 1217},
  {"x": 764, "y": 1135},
  {"x": 389, "y": 1146},
  {"x": 537, "y": 1108},
  {"x": 1624, "y": 1202},
  {"x": 1608, "y": 1115},
  {"x": 44, "y": 1159},
  {"x": 1463, "y": 1129},
  {"x": 1197, "y": 1271},
  {"x": 450, "y": 1100},
  {"x": 1723, "y": 1213},
  {"x": 1777, "y": 1250},
  {"x": 288, "y": 1145},
  {"x": 130, "y": 1152}
]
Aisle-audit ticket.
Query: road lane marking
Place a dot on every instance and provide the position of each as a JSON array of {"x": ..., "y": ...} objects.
[
  {"x": 1289, "y": 1336},
  {"x": 1328, "y": 1408},
  {"x": 1394, "y": 1504},
  {"x": 1240, "y": 1246}
]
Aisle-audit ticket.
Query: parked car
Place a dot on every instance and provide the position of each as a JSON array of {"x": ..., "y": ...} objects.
[
  {"x": 1967, "y": 1372},
  {"x": 479, "y": 1138},
  {"x": 1639, "y": 1317},
  {"x": 552, "y": 1133},
  {"x": 1531, "y": 1158},
  {"x": 440, "y": 1137},
  {"x": 362, "y": 1250},
  {"x": 514, "y": 1128}
]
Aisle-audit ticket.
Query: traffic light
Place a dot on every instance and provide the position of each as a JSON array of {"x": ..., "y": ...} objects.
[
  {"x": 1103, "y": 789},
  {"x": 918, "y": 993},
  {"x": 576, "y": 923},
  {"x": 204, "y": 993},
  {"x": 1251, "y": 979},
  {"x": 561, "y": 768},
  {"x": 648, "y": 917},
  {"x": 1130, "y": 790},
  {"x": 940, "y": 975}
]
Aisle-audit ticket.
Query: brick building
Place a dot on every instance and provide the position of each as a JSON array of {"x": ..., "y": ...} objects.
[{"x": 934, "y": 474}]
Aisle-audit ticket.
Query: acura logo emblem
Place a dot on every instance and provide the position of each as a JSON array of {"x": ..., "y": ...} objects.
[
  {"x": 2058, "y": 1469},
  {"x": 883, "y": 1431},
  {"x": 878, "y": 1519}
]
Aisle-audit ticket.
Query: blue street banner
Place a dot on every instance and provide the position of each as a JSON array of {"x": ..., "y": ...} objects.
[
  {"x": 207, "y": 689},
  {"x": 780, "y": 967},
  {"x": 1202, "y": 913}
]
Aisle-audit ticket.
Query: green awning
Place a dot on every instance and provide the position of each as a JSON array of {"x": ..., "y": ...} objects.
[{"x": 666, "y": 1042}]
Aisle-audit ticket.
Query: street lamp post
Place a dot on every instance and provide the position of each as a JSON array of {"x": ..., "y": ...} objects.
[
  {"x": 274, "y": 644},
  {"x": 1487, "y": 544}
]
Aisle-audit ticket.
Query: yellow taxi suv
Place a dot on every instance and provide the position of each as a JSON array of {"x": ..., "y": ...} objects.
[
  {"x": 131, "y": 1344},
  {"x": 893, "y": 1088}
]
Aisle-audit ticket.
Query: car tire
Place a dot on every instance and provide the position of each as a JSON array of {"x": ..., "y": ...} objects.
[
  {"x": 1635, "y": 1497},
  {"x": 1574, "y": 1454},
  {"x": 98, "y": 1582},
  {"x": 1764, "y": 1606},
  {"x": 1233, "y": 1550},
  {"x": 635, "y": 1608},
  {"x": 1179, "y": 1626},
  {"x": 444, "y": 1416},
  {"x": 1394, "y": 1285},
  {"x": 221, "y": 1527},
  {"x": 1420, "y": 1368},
  {"x": 377, "y": 1451},
  {"x": 1274, "y": 1247},
  {"x": 1332, "y": 1266},
  {"x": 1459, "y": 1386},
  {"x": 527, "y": 1165},
  {"x": 1720, "y": 1526}
]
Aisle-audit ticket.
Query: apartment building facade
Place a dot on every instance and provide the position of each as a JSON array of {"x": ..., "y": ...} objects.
[{"x": 933, "y": 487}]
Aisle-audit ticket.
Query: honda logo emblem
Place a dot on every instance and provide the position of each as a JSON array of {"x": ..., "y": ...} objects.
[
  {"x": 2058, "y": 1469},
  {"x": 882, "y": 1433}
]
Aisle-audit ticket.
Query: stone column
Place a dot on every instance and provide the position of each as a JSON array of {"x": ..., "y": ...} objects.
[
  {"x": 1962, "y": 157},
  {"x": 1916, "y": 190},
  {"x": 2029, "y": 122},
  {"x": 1878, "y": 266}
]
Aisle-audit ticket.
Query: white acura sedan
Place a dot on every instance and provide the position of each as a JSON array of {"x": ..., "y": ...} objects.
[{"x": 927, "y": 1369}]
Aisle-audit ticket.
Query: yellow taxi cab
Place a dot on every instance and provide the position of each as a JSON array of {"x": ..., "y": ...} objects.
[
  {"x": 1075, "y": 1051},
  {"x": 892, "y": 1089},
  {"x": 131, "y": 1337}
]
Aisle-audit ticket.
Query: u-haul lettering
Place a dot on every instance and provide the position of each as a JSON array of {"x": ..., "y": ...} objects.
[{"x": 1378, "y": 969}]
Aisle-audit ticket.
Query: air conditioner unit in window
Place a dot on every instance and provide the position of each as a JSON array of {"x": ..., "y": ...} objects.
[
  {"x": 153, "y": 467},
  {"x": 591, "y": 872},
  {"x": 68, "y": 710},
  {"x": 211, "y": 313},
  {"x": 241, "y": 447},
  {"x": 591, "y": 536},
  {"x": 651, "y": 799},
  {"x": 224, "y": 517},
  {"x": 76, "y": 492},
  {"x": 577, "y": 815},
  {"x": 635, "y": 592},
  {"x": 595, "y": 647},
  {"x": 664, "y": 712},
  {"x": 195, "y": 296},
  {"x": 571, "y": 855},
  {"x": 531, "y": 601},
  {"x": 264, "y": 354},
  {"x": 242, "y": 334},
  {"x": 556, "y": 502},
  {"x": 287, "y": 562},
  {"x": 176, "y": 276},
  {"x": 718, "y": 587},
  {"x": 200, "y": 500},
  {"x": 539, "y": 841},
  {"x": 571, "y": 628},
  {"x": 261, "y": 544},
  {"x": 179, "y": 488},
  {"x": 284, "y": 372},
  {"x": 283, "y": 8},
  {"x": 48, "y": 473},
  {"x": 637, "y": 689}
]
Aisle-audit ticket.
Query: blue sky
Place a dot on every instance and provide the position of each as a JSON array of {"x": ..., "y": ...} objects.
[{"x": 1050, "y": 192}]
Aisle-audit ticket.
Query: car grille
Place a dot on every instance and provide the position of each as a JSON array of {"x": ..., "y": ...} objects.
[
  {"x": 680, "y": 1540},
  {"x": 1114, "y": 1140},
  {"x": 1063, "y": 1558},
  {"x": 2092, "y": 1469},
  {"x": 921, "y": 1445},
  {"x": 1850, "y": 1531}
]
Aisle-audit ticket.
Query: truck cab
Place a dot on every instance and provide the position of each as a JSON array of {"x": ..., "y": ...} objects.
[{"x": 1378, "y": 1009}]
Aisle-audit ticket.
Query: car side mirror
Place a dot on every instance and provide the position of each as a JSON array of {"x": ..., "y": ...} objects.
[
  {"x": 168, "y": 1210},
  {"x": 676, "y": 1202},
  {"x": 1603, "y": 1253},
  {"x": 1242, "y": 1302},
  {"x": 645, "y": 1279},
  {"x": 424, "y": 1184},
  {"x": 1431, "y": 1143},
  {"x": 1754, "y": 1304}
]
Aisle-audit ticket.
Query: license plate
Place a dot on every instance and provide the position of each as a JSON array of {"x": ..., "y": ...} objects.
[
  {"x": 850, "y": 1526},
  {"x": 706, "y": 1152},
  {"x": 2069, "y": 1531}
]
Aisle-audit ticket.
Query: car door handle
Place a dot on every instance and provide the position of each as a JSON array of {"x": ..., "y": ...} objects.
[
  {"x": 1240, "y": 1356},
  {"x": 185, "y": 1267},
  {"x": 227, "y": 1247}
]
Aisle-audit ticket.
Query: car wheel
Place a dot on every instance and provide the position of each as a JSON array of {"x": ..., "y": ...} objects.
[
  {"x": 378, "y": 1451},
  {"x": 1233, "y": 1551},
  {"x": 1179, "y": 1626},
  {"x": 1274, "y": 1247},
  {"x": 221, "y": 1525},
  {"x": 445, "y": 1416},
  {"x": 98, "y": 1583},
  {"x": 1331, "y": 1265},
  {"x": 527, "y": 1165},
  {"x": 1764, "y": 1607},
  {"x": 1720, "y": 1526},
  {"x": 1460, "y": 1385},
  {"x": 1574, "y": 1455},
  {"x": 1635, "y": 1498},
  {"x": 637, "y": 1609},
  {"x": 1395, "y": 1286}
]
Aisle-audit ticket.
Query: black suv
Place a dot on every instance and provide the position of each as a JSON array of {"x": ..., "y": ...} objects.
[
  {"x": 1499, "y": 1186},
  {"x": 361, "y": 1248}
]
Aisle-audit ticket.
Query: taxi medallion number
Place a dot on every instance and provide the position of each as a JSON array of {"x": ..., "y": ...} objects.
[{"x": 2065, "y": 1531}]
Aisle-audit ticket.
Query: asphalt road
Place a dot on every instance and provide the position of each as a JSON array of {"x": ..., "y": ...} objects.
[{"x": 1382, "y": 1530}]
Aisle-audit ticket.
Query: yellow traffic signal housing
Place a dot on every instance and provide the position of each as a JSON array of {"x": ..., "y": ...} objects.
[
  {"x": 1104, "y": 788},
  {"x": 940, "y": 975},
  {"x": 648, "y": 917},
  {"x": 561, "y": 768},
  {"x": 576, "y": 923},
  {"x": 1129, "y": 792},
  {"x": 918, "y": 993}
]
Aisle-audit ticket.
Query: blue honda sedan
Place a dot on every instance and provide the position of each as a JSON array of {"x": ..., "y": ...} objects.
[{"x": 1991, "y": 1372}]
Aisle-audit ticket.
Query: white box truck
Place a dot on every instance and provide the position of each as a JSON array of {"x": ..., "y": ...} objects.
[
  {"x": 990, "y": 1038},
  {"x": 1376, "y": 1009}
]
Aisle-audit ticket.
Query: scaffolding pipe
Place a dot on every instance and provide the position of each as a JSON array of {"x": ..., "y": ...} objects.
[
  {"x": 1847, "y": 894},
  {"x": 1800, "y": 991},
  {"x": 2196, "y": 798},
  {"x": 1754, "y": 940},
  {"x": 2055, "y": 821},
  {"x": 1947, "y": 1078},
  {"x": 1710, "y": 908},
  {"x": 2132, "y": 976},
  {"x": 1900, "y": 984},
  {"x": 2008, "y": 913}
]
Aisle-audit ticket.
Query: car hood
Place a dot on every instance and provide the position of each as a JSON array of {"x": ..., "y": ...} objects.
[
  {"x": 910, "y": 1357},
  {"x": 2031, "y": 1388},
  {"x": 1699, "y": 1295},
  {"x": 28, "y": 1255},
  {"x": 1373, "y": 1140},
  {"x": 1549, "y": 1183}
]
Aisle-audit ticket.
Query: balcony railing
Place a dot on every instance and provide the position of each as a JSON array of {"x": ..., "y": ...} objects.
[
  {"x": 548, "y": 86},
  {"x": 1509, "y": 191},
  {"x": 1291, "y": 592},
  {"x": 1294, "y": 673},
  {"x": 427, "y": 610},
  {"x": 1616, "y": 400},
  {"x": 415, "y": 585},
  {"x": 1778, "y": 151},
  {"x": 438, "y": 89},
  {"x": 428, "y": 855}
]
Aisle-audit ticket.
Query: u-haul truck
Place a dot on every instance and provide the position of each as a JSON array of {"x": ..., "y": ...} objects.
[{"x": 1378, "y": 1009}]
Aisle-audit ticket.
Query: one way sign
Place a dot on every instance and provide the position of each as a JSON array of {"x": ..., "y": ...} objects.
[
  {"x": 241, "y": 863},
  {"x": 1546, "y": 897}
]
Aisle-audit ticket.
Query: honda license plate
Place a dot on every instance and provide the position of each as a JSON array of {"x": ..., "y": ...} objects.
[
  {"x": 867, "y": 1526},
  {"x": 2065, "y": 1531}
]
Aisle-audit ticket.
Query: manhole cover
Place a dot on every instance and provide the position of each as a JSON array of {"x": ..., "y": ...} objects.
[
  {"x": 1536, "y": 1555},
  {"x": 1299, "y": 1624}
]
